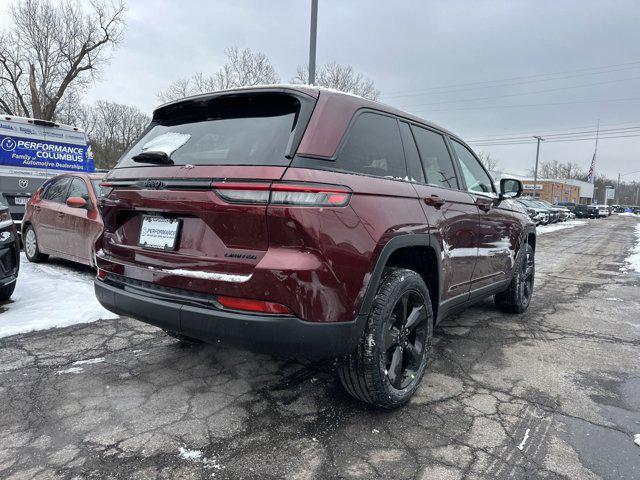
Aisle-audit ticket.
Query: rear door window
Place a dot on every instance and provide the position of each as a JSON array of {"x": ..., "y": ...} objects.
[
  {"x": 57, "y": 190},
  {"x": 373, "y": 147},
  {"x": 229, "y": 130},
  {"x": 414, "y": 167},
  {"x": 436, "y": 160},
  {"x": 475, "y": 176}
]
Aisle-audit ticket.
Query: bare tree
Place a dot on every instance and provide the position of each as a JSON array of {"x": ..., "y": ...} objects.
[
  {"x": 339, "y": 77},
  {"x": 51, "y": 48},
  {"x": 560, "y": 171},
  {"x": 112, "y": 128},
  {"x": 488, "y": 162},
  {"x": 243, "y": 68}
]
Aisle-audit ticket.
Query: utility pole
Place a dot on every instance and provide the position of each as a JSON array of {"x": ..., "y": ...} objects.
[
  {"x": 617, "y": 198},
  {"x": 535, "y": 172},
  {"x": 312, "y": 42}
]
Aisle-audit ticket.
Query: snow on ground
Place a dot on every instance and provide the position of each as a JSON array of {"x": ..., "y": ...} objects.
[
  {"x": 542, "y": 229},
  {"x": 198, "y": 456},
  {"x": 54, "y": 294},
  {"x": 633, "y": 260}
]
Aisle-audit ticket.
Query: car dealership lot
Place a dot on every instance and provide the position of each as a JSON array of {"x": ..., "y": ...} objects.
[{"x": 552, "y": 393}]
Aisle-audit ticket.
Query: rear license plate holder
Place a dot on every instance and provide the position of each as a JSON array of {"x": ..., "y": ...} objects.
[{"x": 159, "y": 233}]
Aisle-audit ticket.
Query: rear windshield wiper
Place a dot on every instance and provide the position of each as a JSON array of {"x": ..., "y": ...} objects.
[{"x": 153, "y": 157}]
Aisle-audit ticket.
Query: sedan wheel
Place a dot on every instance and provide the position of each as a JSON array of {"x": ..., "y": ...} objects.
[{"x": 31, "y": 246}]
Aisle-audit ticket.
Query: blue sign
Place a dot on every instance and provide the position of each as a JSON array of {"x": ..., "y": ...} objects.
[{"x": 43, "y": 154}]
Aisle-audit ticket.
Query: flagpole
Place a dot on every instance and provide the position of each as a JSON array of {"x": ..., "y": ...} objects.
[
  {"x": 592, "y": 168},
  {"x": 595, "y": 151}
]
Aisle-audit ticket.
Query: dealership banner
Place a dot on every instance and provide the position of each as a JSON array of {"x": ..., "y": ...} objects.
[{"x": 44, "y": 154}]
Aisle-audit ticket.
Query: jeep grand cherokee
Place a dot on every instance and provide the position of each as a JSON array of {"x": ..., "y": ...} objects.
[{"x": 311, "y": 223}]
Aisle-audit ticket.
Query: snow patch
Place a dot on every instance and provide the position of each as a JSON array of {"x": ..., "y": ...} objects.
[
  {"x": 542, "y": 229},
  {"x": 70, "y": 370},
  {"x": 50, "y": 295},
  {"x": 636, "y": 439},
  {"x": 167, "y": 142},
  {"x": 614, "y": 299},
  {"x": 221, "y": 277},
  {"x": 190, "y": 454},
  {"x": 198, "y": 456},
  {"x": 89, "y": 361},
  {"x": 633, "y": 260},
  {"x": 524, "y": 440}
]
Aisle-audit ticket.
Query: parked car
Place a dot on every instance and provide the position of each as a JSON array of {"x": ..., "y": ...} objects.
[
  {"x": 557, "y": 213},
  {"x": 9, "y": 253},
  {"x": 586, "y": 211},
  {"x": 538, "y": 214},
  {"x": 62, "y": 219},
  {"x": 310, "y": 223},
  {"x": 603, "y": 211}
]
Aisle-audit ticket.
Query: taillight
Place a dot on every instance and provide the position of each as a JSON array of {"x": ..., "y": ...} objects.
[
  {"x": 102, "y": 274},
  {"x": 283, "y": 193},
  {"x": 309, "y": 194},
  {"x": 248, "y": 305},
  {"x": 242, "y": 192}
]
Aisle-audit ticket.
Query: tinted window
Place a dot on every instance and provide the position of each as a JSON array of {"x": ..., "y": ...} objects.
[
  {"x": 57, "y": 190},
  {"x": 475, "y": 176},
  {"x": 373, "y": 147},
  {"x": 436, "y": 160},
  {"x": 78, "y": 189},
  {"x": 414, "y": 167},
  {"x": 231, "y": 130}
]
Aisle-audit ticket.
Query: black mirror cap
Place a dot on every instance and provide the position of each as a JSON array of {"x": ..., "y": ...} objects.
[{"x": 510, "y": 188}]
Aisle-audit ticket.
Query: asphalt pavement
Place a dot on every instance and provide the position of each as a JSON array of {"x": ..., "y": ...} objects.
[{"x": 553, "y": 393}]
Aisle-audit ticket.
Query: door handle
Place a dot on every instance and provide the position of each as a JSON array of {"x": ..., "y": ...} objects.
[
  {"x": 60, "y": 214},
  {"x": 434, "y": 201},
  {"x": 484, "y": 205}
]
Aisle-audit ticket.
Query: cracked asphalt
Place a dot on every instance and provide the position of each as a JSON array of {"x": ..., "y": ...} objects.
[{"x": 553, "y": 393}]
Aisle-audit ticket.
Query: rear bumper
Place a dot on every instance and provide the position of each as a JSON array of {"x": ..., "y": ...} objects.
[{"x": 282, "y": 335}]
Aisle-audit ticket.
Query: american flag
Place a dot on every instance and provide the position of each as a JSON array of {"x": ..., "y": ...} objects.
[{"x": 592, "y": 169}]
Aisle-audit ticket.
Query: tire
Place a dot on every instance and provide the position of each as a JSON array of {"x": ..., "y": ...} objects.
[
  {"x": 388, "y": 364},
  {"x": 7, "y": 291},
  {"x": 183, "y": 338},
  {"x": 517, "y": 297},
  {"x": 31, "y": 248}
]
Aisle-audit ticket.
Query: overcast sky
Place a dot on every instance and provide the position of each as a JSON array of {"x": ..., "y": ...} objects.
[{"x": 422, "y": 56}]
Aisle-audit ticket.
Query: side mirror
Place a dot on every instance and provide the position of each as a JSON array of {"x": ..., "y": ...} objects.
[
  {"x": 76, "y": 202},
  {"x": 510, "y": 188}
]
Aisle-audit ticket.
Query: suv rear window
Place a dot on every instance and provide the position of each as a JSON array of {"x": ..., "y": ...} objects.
[{"x": 243, "y": 129}]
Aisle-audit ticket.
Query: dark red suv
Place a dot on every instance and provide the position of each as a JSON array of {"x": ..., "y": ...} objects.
[{"x": 310, "y": 223}]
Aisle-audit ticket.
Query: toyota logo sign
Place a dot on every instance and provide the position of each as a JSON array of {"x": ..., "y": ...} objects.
[{"x": 23, "y": 183}]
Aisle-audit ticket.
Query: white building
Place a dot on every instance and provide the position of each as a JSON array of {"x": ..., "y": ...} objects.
[{"x": 586, "y": 190}]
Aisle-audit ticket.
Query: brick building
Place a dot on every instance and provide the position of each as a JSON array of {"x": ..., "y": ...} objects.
[{"x": 552, "y": 191}]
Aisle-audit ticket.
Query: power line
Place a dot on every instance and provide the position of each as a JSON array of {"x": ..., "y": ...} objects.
[
  {"x": 522, "y": 94},
  {"x": 529, "y": 133},
  {"x": 508, "y": 84},
  {"x": 558, "y": 135},
  {"x": 559, "y": 140},
  {"x": 516, "y": 78},
  {"x": 527, "y": 105}
]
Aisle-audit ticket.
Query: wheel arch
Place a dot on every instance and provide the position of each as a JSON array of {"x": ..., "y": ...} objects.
[{"x": 418, "y": 252}]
